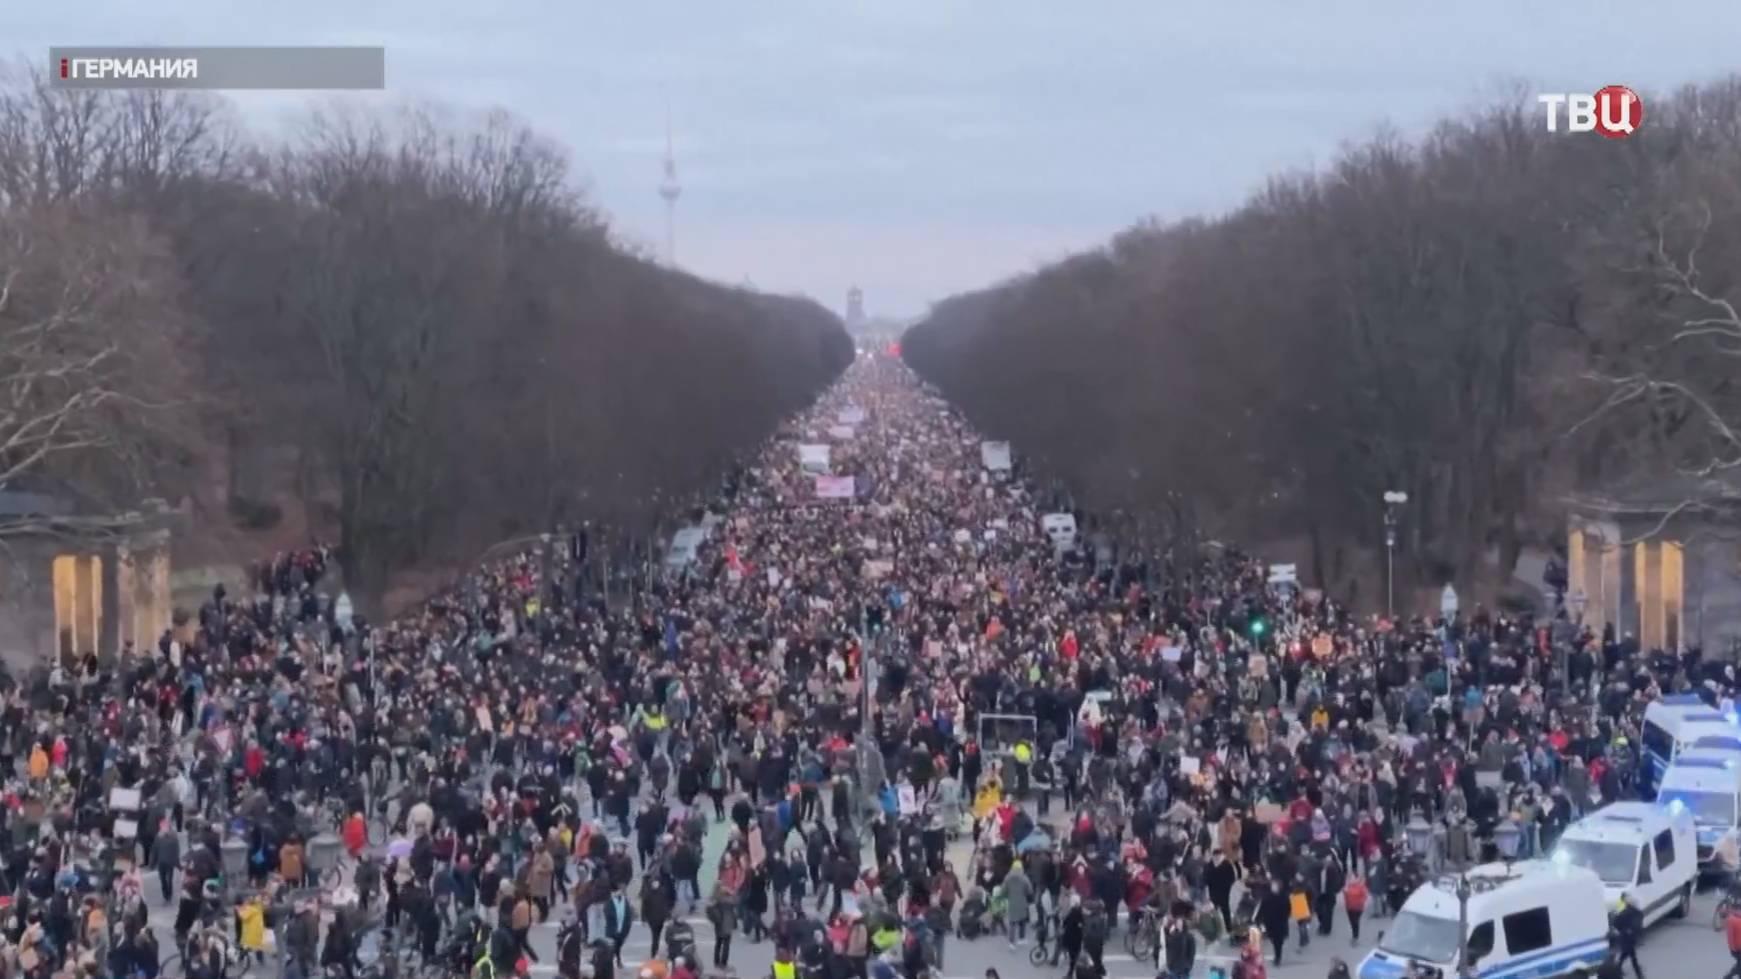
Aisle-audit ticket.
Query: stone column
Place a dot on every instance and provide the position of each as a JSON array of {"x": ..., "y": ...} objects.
[
  {"x": 84, "y": 612},
  {"x": 127, "y": 597},
  {"x": 109, "y": 603},
  {"x": 1626, "y": 612},
  {"x": 1650, "y": 618},
  {"x": 160, "y": 601}
]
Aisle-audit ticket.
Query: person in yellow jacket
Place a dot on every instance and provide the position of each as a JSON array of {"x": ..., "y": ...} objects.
[
  {"x": 38, "y": 762},
  {"x": 251, "y": 926},
  {"x": 989, "y": 797},
  {"x": 1300, "y": 909}
]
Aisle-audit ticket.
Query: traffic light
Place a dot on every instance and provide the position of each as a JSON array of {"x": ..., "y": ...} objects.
[{"x": 1257, "y": 627}]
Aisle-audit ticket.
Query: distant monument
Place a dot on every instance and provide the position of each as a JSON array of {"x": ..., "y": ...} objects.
[
  {"x": 670, "y": 190},
  {"x": 854, "y": 308}
]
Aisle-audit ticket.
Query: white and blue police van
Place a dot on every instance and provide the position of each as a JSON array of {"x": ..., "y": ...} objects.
[
  {"x": 1640, "y": 849},
  {"x": 1706, "y": 781},
  {"x": 1675, "y": 724},
  {"x": 1526, "y": 920}
]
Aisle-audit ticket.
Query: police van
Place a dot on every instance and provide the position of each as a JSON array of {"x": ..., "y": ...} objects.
[
  {"x": 1674, "y": 724},
  {"x": 1637, "y": 848},
  {"x": 1706, "y": 781},
  {"x": 1526, "y": 920}
]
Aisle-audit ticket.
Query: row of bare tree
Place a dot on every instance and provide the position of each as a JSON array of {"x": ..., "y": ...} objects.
[
  {"x": 420, "y": 308},
  {"x": 1482, "y": 318}
]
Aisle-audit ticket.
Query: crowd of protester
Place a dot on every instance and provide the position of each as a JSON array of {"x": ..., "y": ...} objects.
[{"x": 1166, "y": 748}]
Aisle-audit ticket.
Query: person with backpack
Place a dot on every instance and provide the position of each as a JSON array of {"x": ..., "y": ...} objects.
[
  {"x": 1179, "y": 943},
  {"x": 1095, "y": 928},
  {"x": 1354, "y": 902}
]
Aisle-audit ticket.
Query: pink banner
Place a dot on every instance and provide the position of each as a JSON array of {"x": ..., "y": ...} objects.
[{"x": 834, "y": 487}]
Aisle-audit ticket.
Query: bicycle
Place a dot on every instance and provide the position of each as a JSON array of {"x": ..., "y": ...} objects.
[
  {"x": 236, "y": 960},
  {"x": 1720, "y": 915},
  {"x": 1144, "y": 936},
  {"x": 1042, "y": 950}
]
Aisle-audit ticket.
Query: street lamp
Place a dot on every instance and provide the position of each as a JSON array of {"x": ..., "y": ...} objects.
[
  {"x": 1420, "y": 835},
  {"x": 1463, "y": 891},
  {"x": 1506, "y": 837},
  {"x": 235, "y": 859},
  {"x": 1392, "y": 500},
  {"x": 323, "y": 854}
]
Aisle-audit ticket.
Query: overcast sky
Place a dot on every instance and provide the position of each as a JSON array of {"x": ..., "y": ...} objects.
[{"x": 923, "y": 147}]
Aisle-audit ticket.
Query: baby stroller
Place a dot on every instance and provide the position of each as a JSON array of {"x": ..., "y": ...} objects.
[
  {"x": 680, "y": 941},
  {"x": 1243, "y": 914},
  {"x": 971, "y": 923}
]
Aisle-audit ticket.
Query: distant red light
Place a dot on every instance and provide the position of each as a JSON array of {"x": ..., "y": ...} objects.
[{"x": 894, "y": 350}]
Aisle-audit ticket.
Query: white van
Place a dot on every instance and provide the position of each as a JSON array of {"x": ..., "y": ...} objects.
[
  {"x": 1637, "y": 848},
  {"x": 1707, "y": 783},
  {"x": 1673, "y": 724},
  {"x": 1531, "y": 918}
]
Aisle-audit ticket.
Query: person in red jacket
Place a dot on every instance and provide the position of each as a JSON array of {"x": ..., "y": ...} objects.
[
  {"x": 1139, "y": 884},
  {"x": 1354, "y": 902},
  {"x": 1732, "y": 931},
  {"x": 356, "y": 835}
]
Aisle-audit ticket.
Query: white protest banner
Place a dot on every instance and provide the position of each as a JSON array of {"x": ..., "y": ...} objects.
[
  {"x": 851, "y": 415},
  {"x": 879, "y": 568},
  {"x": 1171, "y": 654},
  {"x": 834, "y": 487},
  {"x": 842, "y": 432},
  {"x": 684, "y": 545},
  {"x": 995, "y": 456},
  {"x": 1189, "y": 766},
  {"x": 1061, "y": 528},
  {"x": 813, "y": 457},
  {"x": 909, "y": 800}
]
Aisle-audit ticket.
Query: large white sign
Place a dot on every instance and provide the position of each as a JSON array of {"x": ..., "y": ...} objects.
[
  {"x": 1061, "y": 528},
  {"x": 813, "y": 457},
  {"x": 851, "y": 416},
  {"x": 842, "y": 432},
  {"x": 834, "y": 487},
  {"x": 684, "y": 544},
  {"x": 995, "y": 456}
]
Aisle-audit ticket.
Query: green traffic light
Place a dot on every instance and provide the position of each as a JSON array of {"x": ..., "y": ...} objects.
[{"x": 1257, "y": 627}]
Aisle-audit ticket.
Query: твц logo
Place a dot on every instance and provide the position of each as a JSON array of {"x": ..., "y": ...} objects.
[{"x": 1615, "y": 111}]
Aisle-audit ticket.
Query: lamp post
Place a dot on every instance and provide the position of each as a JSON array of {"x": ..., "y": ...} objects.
[
  {"x": 323, "y": 854},
  {"x": 1463, "y": 891},
  {"x": 235, "y": 859},
  {"x": 1419, "y": 834},
  {"x": 1392, "y": 500},
  {"x": 1506, "y": 837}
]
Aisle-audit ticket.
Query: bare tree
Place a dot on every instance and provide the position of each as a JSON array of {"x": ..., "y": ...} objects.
[{"x": 88, "y": 322}]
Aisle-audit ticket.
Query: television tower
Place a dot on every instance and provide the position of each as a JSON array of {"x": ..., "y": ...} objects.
[{"x": 670, "y": 190}]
